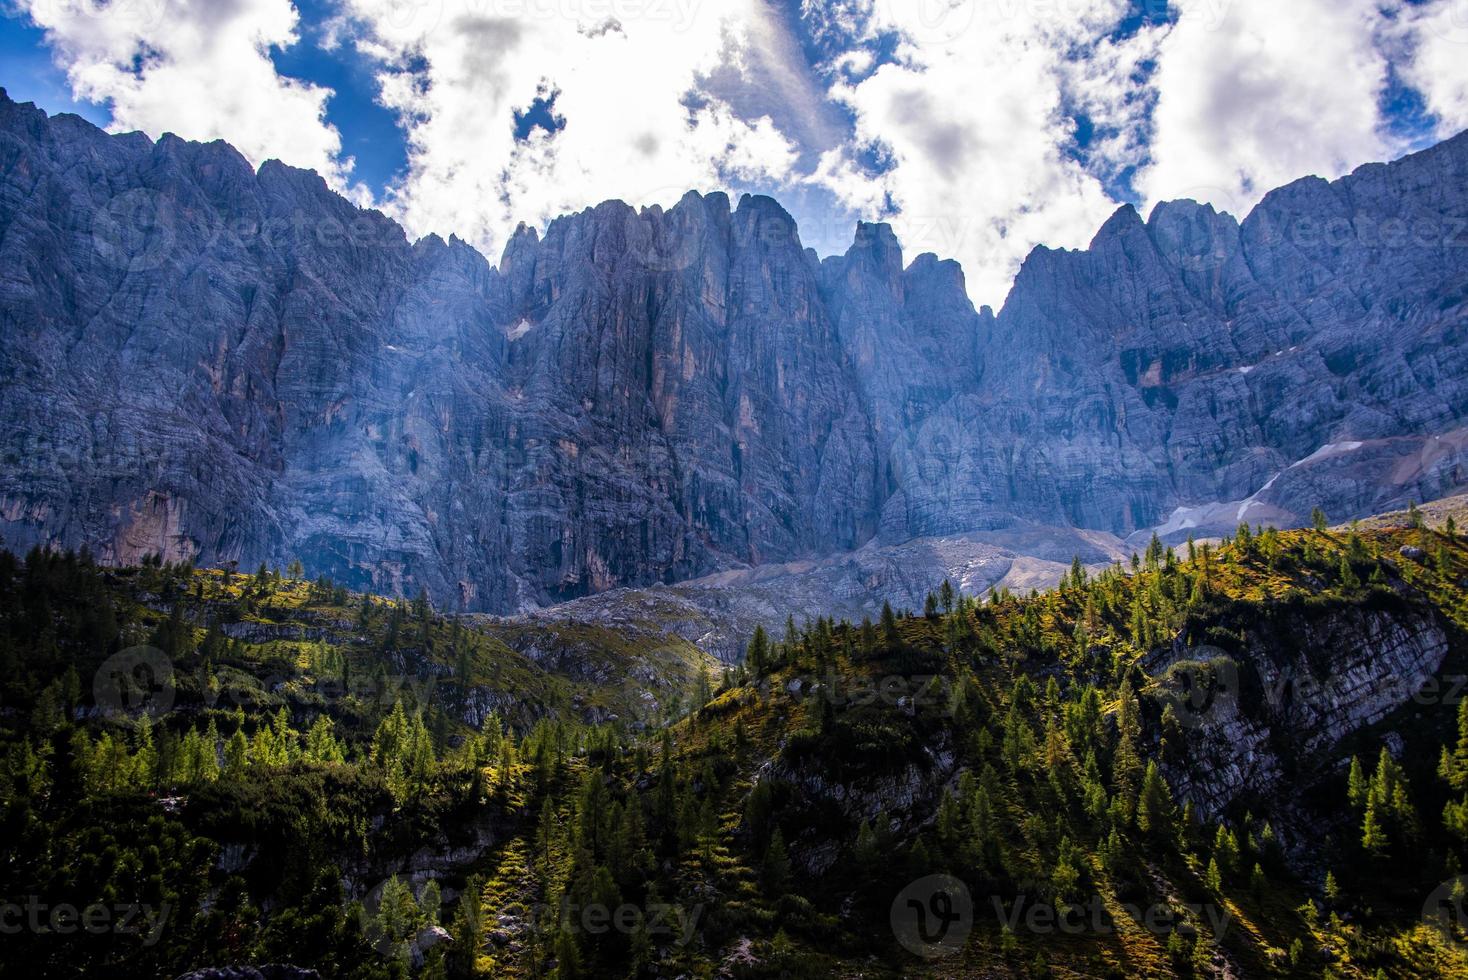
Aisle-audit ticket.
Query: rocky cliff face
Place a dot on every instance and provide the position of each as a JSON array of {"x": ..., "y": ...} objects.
[
  {"x": 1193, "y": 369},
  {"x": 1279, "y": 716},
  {"x": 207, "y": 361},
  {"x": 200, "y": 360}
]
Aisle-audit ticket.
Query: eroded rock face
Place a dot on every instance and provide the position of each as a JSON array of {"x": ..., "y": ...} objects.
[
  {"x": 1273, "y": 723},
  {"x": 1276, "y": 365},
  {"x": 202, "y": 360}
]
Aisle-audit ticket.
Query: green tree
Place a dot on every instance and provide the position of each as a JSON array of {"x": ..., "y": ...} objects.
[
  {"x": 757, "y": 655},
  {"x": 775, "y": 870},
  {"x": 1155, "y": 806}
]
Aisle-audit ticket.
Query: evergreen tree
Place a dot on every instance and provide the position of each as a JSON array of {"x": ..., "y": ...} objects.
[
  {"x": 775, "y": 870},
  {"x": 1126, "y": 766},
  {"x": 757, "y": 655},
  {"x": 1155, "y": 807}
]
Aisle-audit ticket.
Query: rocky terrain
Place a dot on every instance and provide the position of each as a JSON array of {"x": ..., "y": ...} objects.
[
  {"x": 206, "y": 361},
  {"x": 717, "y": 613}
]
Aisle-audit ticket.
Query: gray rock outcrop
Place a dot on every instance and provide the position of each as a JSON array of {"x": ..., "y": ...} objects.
[{"x": 208, "y": 361}]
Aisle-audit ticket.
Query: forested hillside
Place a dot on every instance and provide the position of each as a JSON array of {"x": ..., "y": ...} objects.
[{"x": 1243, "y": 759}]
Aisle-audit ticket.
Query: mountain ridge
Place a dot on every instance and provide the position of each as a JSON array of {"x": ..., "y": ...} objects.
[
  {"x": 433, "y": 237},
  {"x": 213, "y": 362}
]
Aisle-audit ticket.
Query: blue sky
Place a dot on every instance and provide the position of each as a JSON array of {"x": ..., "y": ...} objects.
[
  {"x": 30, "y": 74},
  {"x": 980, "y": 128}
]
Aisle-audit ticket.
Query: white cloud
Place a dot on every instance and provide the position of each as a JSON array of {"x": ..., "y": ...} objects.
[
  {"x": 1255, "y": 93},
  {"x": 974, "y": 116},
  {"x": 627, "y": 76},
  {"x": 972, "y": 111},
  {"x": 1437, "y": 36},
  {"x": 197, "y": 68}
]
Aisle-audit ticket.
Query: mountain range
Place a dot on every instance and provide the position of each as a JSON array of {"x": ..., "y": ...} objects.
[{"x": 206, "y": 361}]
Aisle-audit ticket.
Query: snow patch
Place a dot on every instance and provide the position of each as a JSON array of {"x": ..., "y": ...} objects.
[
  {"x": 519, "y": 330},
  {"x": 1207, "y": 515},
  {"x": 1184, "y": 518},
  {"x": 1213, "y": 515},
  {"x": 1245, "y": 505},
  {"x": 1330, "y": 449}
]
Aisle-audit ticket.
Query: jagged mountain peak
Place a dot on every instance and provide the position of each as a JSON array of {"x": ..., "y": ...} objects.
[
  {"x": 1123, "y": 221},
  {"x": 197, "y": 363}
]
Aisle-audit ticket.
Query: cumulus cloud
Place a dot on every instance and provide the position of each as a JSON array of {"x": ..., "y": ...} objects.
[
  {"x": 972, "y": 118},
  {"x": 1436, "y": 33},
  {"x": 980, "y": 128},
  {"x": 197, "y": 68},
  {"x": 1254, "y": 93},
  {"x": 630, "y": 77}
]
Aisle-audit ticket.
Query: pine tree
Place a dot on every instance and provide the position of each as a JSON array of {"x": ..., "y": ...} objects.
[
  {"x": 1356, "y": 786},
  {"x": 757, "y": 655},
  {"x": 890, "y": 637},
  {"x": 1202, "y": 956},
  {"x": 949, "y": 827},
  {"x": 236, "y": 753},
  {"x": 775, "y": 870},
  {"x": 1226, "y": 850},
  {"x": 1155, "y": 807},
  {"x": 321, "y": 742},
  {"x": 1373, "y": 834},
  {"x": 1077, "y": 573},
  {"x": 467, "y": 928},
  {"x": 568, "y": 956},
  {"x": 1126, "y": 767}
]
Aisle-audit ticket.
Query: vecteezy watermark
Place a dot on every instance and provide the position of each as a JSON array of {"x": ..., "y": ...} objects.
[
  {"x": 139, "y": 230},
  {"x": 137, "y": 13},
  {"x": 1199, "y": 689},
  {"x": 932, "y": 21},
  {"x": 1324, "y": 693},
  {"x": 135, "y": 230},
  {"x": 938, "y": 22},
  {"x": 143, "y": 680},
  {"x": 1448, "y": 19},
  {"x": 854, "y": 690},
  {"x": 679, "y": 13},
  {"x": 393, "y": 915},
  {"x": 234, "y": 686},
  {"x": 98, "y": 918},
  {"x": 1091, "y": 917},
  {"x": 675, "y": 924},
  {"x": 933, "y": 916},
  {"x": 138, "y": 679},
  {"x": 1446, "y": 909}
]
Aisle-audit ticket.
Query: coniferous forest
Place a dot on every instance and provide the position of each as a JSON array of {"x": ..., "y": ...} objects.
[{"x": 1237, "y": 758}]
